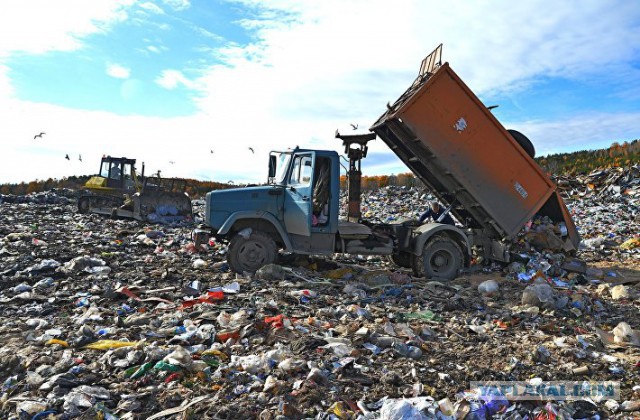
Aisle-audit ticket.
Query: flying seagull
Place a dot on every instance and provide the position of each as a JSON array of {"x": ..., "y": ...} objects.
[
  {"x": 67, "y": 157},
  {"x": 251, "y": 148},
  {"x": 80, "y": 158},
  {"x": 172, "y": 162},
  {"x": 211, "y": 150},
  {"x": 354, "y": 126},
  {"x": 39, "y": 135}
]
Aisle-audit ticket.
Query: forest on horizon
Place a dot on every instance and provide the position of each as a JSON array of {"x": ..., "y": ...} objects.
[{"x": 570, "y": 164}]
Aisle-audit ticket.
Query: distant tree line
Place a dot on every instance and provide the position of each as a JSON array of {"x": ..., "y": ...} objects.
[
  {"x": 23, "y": 188},
  {"x": 574, "y": 163},
  {"x": 195, "y": 188},
  {"x": 585, "y": 161}
]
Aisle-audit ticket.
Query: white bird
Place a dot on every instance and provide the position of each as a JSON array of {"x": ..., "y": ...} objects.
[
  {"x": 354, "y": 126},
  {"x": 39, "y": 135}
]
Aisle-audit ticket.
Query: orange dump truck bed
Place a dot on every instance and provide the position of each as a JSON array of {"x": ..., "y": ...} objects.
[{"x": 455, "y": 145}]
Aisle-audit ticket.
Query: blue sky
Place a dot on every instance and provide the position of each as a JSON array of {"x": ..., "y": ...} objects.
[{"x": 171, "y": 80}]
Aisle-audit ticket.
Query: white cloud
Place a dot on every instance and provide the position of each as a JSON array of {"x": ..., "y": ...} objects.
[
  {"x": 178, "y": 4},
  {"x": 38, "y": 26},
  {"x": 315, "y": 66},
  {"x": 151, "y": 8},
  {"x": 171, "y": 79},
  {"x": 153, "y": 49},
  {"x": 581, "y": 132},
  {"x": 6, "y": 89},
  {"x": 118, "y": 71}
]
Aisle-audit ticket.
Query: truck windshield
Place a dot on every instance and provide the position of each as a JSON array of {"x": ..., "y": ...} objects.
[{"x": 282, "y": 164}]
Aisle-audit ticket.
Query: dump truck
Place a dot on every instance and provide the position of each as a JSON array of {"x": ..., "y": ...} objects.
[
  {"x": 484, "y": 174},
  {"x": 118, "y": 190}
]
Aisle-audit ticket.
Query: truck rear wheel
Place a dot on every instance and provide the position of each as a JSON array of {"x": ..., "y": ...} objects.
[
  {"x": 441, "y": 258},
  {"x": 251, "y": 253}
]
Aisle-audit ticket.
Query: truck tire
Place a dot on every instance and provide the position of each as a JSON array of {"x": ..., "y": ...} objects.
[
  {"x": 524, "y": 142},
  {"x": 441, "y": 259},
  {"x": 401, "y": 259},
  {"x": 249, "y": 254}
]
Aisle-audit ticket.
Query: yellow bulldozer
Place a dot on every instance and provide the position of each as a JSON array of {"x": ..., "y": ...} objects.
[{"x": 119, "y": 191}]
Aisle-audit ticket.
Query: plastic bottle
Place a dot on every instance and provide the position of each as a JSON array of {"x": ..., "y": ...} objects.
[
  {"x": 372, "y": 347},
  {"x": 181, "y": 329},
  {"x": 167, "y": 367},
  {"x": 385, "y": 341},
  {"x": 406, "y": 351},
  {"x": 106, "y": 331},
  {"x": 138, "y": 371}
]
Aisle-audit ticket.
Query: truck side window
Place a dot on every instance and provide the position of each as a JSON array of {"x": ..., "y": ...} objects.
[
  {"x": 104, "y": 170},
  {"x": 301, "y": 171},
  {"x": 126, "y": 170}
]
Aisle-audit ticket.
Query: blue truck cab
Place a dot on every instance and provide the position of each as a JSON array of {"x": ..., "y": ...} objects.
[{"x": 297, "y": 211}]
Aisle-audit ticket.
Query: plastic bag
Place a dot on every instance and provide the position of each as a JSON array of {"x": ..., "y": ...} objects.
[
  {"x": 110, "y": 344},
  {"x": 400, "y": 410}
]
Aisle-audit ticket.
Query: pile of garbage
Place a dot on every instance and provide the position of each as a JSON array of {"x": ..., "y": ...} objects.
[
  {"x": 104, "y": 318},
  {"x": 53, "y": 196},
  {"x": 612, "y": 182},
  {"x": 606, "y": 204}
]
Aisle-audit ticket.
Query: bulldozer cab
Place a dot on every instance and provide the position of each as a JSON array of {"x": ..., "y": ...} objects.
[{"x": 119, "y": 173}]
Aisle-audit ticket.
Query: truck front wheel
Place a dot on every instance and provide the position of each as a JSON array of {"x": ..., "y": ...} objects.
[
  {"x": 441, "y": 258},
  {"x": 252, "y": 252},
  {"x": 401, "y": 259}
]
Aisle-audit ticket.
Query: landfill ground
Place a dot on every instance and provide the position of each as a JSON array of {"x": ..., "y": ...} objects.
[{"x": 117, "y": 319}]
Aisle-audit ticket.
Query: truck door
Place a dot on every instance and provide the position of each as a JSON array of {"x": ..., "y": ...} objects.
[{"x": 297, "y": 200}]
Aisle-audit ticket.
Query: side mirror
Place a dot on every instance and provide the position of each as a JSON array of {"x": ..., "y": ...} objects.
[{"x": 272, "y": 166}]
